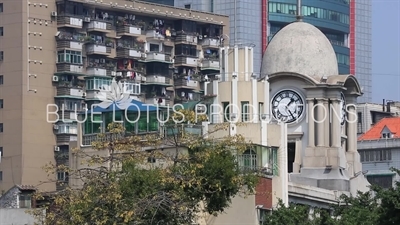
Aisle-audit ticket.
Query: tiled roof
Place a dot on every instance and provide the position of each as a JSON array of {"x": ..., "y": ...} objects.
[{"x": 392, "y": 123}]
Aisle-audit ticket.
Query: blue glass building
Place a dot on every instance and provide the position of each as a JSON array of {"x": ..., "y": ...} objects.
[{"x": 330, "y": 16}]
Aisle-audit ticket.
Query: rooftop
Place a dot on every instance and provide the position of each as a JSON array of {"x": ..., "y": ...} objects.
[{"x": 392, "y": 124}]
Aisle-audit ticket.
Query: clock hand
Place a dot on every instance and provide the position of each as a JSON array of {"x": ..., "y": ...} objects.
[{"x": 290, "y": 112}]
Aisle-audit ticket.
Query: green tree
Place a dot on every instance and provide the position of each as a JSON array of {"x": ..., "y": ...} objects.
[
  {"x": 125, "y": 187},
  {"x": 379, "y": 206}
]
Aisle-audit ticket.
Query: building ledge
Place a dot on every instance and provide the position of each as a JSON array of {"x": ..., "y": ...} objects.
[{"x": 314, "y": 193}]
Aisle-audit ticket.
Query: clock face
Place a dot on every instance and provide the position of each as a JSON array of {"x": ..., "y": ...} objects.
[
  {"x": 287, "y": 106},
  {"x": 343, "y": 108}
]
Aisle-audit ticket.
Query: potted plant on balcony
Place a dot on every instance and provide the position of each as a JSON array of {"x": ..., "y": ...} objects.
[
  {"x": 88, "y": 39},
  {"x": 109, "y": 42}
]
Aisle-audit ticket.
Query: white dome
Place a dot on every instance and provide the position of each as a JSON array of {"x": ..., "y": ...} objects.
[{"x": 300, "y": 48}]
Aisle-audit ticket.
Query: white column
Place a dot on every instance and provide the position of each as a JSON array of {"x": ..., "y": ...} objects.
[
  {"x": 234, "y": 99},
  {"x": 311, "y": 123},
  {"x": 254, "y": 101},
  {"x": 226, "y": 62},
  {"x": 335, "y": 133},
  {"x": 352, "y": 128},
  {"x": 327, "y": 123},
  {"x": 321, "y": 117},
  {"x": 246, "y": 64}
]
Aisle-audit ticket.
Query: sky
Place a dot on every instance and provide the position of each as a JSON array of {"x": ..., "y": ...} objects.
[{"x": 385, "y": 50}]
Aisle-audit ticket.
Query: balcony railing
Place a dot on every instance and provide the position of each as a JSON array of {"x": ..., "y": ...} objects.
[
  {"x": 187, "y": 60},
  {"x": 69, "y": 68},
  {"x": 157, "y": 56},
  {"x": 97, "y": 49},
  {"x": 70, "y": 44},
  {"x": 153, "y": 34},
  {"x": 100, "y": 26},
  {"x": 129, "y": 30},
  {"x": 183, "y": 83},
  {"x": 156, "y": 79},
  {"x": 70, "y": 91},
  {"x": 188, "y": 39},
  {"x": 210, "y": 63},
  {"x": 98, "y": 71},
  {"x": 69, "y": 21},
  {"x": 128, "y": 53},
  {"x": 211, "y": 42}
]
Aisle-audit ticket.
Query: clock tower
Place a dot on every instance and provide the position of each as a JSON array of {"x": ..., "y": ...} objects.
[{"x": 318, "y": 105}]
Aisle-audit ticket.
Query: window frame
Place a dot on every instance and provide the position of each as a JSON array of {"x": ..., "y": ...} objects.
[
  {"x": 1, "y": 31},
  {"x": 1, "y": 127},
  {"x": 1, "y": 103},
  {"x": 1, "y": 7},
  {"x": 1, "y": 79},
  {"x": 70, "y": 56}
]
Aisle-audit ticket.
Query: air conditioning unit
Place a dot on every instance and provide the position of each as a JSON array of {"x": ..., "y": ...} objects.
[
  {"x": 102, "y": 61},
  {"x": 84, "y": 95},
  {"x": 56, "y": 148},
  {"x": 113, "y": 73},
  {"x": 55, "y": 78},
  {"x": 144, "y": 55},
  {"x": 86, "y": 19},
  {"x": 119, "y": 74},
  {"x": 54, "y": 14},
  {"x": 55, "y": 127}
]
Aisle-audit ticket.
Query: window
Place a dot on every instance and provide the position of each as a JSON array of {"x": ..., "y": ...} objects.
[
  {"x": 185, "y": 50},
  {"x": 309, "y": 11},
  {"x": 386, "y": 135},
  {"x": 154, "y": 48},
  {"x": 1, "y": 55},
  {"x": 131, "y": 88},
  {"x": 97, "y": 83},
  {"x": 260, "y": 110},
  {"x": 226, "y": 113},
  {"x": 1, "y": 175},
  {"x": 67, "y": 129},
  {"x": 384, "y": 181},
  {"x": 343, "y": 59},
  {"x": 25, "y": 200},
  {"x": 68, "y": 56},
  {"x": 1, "y": 31},
  {"x": 249, "y": 160},
  {"x": 1, "y": 79},
  {"x": 1, "y": 7},
  {"x": 375, "y": 155},
  {"x": 1, "y": 151},
  {"x": 245, "y": 111},
  {"x": 1, "y": 128},
  {"x": 1, "y": 103},
  {"x": 188, "y": 6},
  {"x": 62, "y": 176},
  {"x": 359, "y": 123}
]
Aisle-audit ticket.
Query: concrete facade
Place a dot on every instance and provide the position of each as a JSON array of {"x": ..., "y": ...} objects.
[{"x": 54, "y": 44}]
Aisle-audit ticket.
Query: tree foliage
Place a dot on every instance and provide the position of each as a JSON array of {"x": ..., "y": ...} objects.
[
  {"x": 125, "y": 186},
  {"x": 379, "y": 206}
]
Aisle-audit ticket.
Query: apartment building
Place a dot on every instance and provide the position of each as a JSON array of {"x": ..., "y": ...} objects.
[
  {"x": 370, "y": 114},
  {"x": 66, "y": 53},
  {"x": 379, "y": 150}
]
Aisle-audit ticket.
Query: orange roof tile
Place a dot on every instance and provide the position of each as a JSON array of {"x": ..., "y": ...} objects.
[{"x": 392, "y": 123}]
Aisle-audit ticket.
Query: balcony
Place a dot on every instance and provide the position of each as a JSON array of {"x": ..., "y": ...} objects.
[
  {"x": 99, "y": 26},
  {"x": 65, "y": 89},
  {"x": 186, "y": 39},
  {"x": 96, "y": 49},
  {"x": 69, "y": 21},
  {"x": 70, "y": 44},
  {"x": 129, "y": 30},
  {"x": 94, "y": 71},
  {"x": 191, "y": 61},
  {"x": 211, "y": 43},
  {"x": 153, "y": 34},
  {"x": 158, "y": 101},
  {"x": 156, "y": 79},
  {"x": 184, "y": 83},
  {"x": 128, "y": 53},
  {"x": 210, "y": 64},
  {"x": 69, "y": 68},
  {"x": 158, "y": 56}
]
